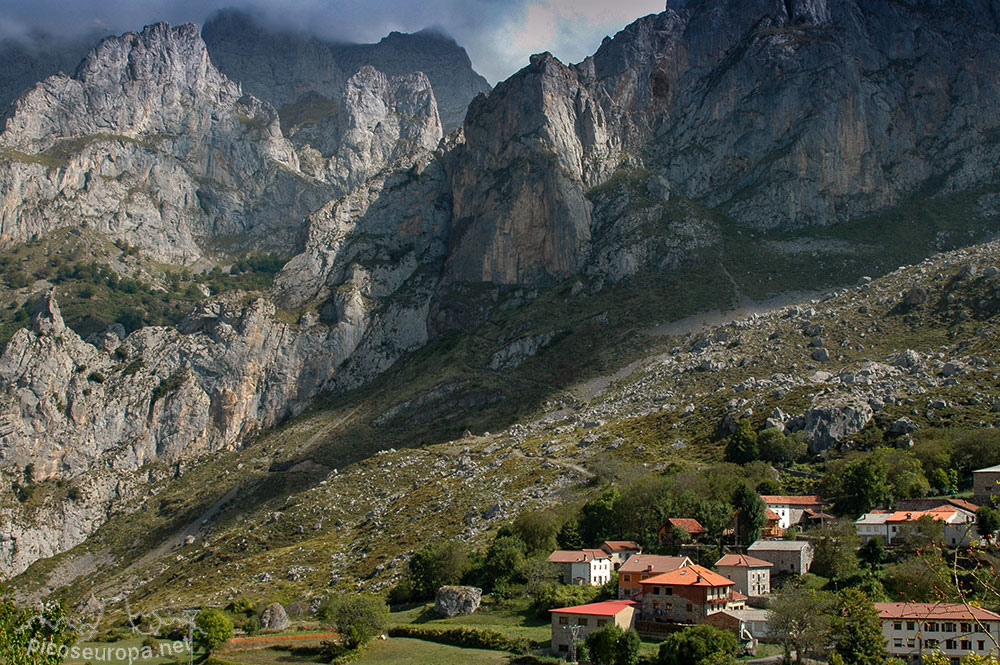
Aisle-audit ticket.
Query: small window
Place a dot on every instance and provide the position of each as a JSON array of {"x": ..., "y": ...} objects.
[
  {"x": 898, "y": 625},
  {"x": 656, "y": 591},
  {"x": 668, "y": 590},
  {"x": 949, "y": 644},
  {"x": 627, "y": 578},
  {"x": 563, "y": 648},
  {"x": 690, "y": 607},
  {"x": 966, "y": 645},
  {"x": 898, "y": 643},
  {"x": 909, "y": 625},
  {"x": 582, "y": 621},
  {"x": 602, "y": 622},
  {"x": 563, "y": 621},
  {"x": 981, "y": 644}
]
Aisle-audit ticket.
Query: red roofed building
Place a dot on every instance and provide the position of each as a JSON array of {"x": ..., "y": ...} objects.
[
  {"x": 620, "y": 550},
  {"x": 911, "y": 629},
  {"x": 586, "y": 567},
  {"x": 790, "y": 510},
  {"x": 588, "y": 618},
  {"x": 688, "y": 595},
  {"x": 752, "y": 576},
  {"x": 687, "y": 525},
  {"x": 644, "y": 566}
]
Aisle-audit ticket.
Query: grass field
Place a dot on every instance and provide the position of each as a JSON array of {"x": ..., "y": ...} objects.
[
  {"x": 402, "y": 650},
  {"x": 515, "y": 622}
]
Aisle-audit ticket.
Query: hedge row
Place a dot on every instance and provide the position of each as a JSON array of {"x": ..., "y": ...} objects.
[{"x": 464, "y": 636}]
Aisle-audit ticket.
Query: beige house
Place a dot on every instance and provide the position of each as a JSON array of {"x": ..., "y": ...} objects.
[
  {"x": 585, "y": 619},
  {"x": 986, "y": 484},
  {"x": 790, "y": 557},
  {"x": 751, "y": 576},
  {"x": 911, "y": 629}
]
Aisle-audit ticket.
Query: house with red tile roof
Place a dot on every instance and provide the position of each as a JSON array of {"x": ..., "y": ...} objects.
[
  {"x": 620, "y": 550},
  {"x": 687, "y": 525},
  {"x": 793, "y": 510},
  {"x": 643, "y": 566},
  {"x": 751, "y": 576},
  {"x": 959, "y": 525},
  {"x": 589, "y": 567},
  {"x": 687, "y": 595},
  {"x": 584, "y": 619},
  {"x": 954, "y": 629}
]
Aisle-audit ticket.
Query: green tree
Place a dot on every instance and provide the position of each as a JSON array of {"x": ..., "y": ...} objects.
[
  {"x": 602, "y": 644},
  {"x": 799, "y": 619},
  {"x": 872, "y": 552},
  {"x": 436, "y": 565},
  {"x": 538, "y": 530},
  {"x": 692, "y": 646},
  {"x": 597, "y": 518},
  {"x": 627, "y": 648},
  {"x": 742, "y": 446},
  {"x": 358, "y": 617},
  {"x": 21, "y": 629},
  {"x": 987, "y": 521},
  {"x": 919, "y": 579},
  {"x": 504, "y": 560},
  {"x": 857, "y": 630},
  {"x": 752, "y": 514},
  {"x": 213, "y": 628},
  {"x": 861, "y": 484},
  {"x": 569, "y": 537},
  {"x": 834, "y": 554},
  {"x": 779, "y": 448}
]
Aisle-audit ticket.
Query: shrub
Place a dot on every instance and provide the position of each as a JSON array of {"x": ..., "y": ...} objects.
[{"x": 360, "y": 618}]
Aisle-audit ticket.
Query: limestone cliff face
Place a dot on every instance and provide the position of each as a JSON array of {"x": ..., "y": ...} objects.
[
  {"x": 150, "y": 143},
  {"x": 288, "y": 70},
  {"x": 782, "y": 114}
]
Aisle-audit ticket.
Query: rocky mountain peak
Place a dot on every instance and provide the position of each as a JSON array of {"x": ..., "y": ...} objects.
[{"x": 46, "y": 319}]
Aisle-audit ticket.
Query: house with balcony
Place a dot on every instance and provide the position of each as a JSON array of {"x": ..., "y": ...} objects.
[
  {"x": 687, "y": 595},
  {"x": 643, "y": 566}
]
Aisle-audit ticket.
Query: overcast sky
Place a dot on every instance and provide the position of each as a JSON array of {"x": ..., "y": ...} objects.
[{"x": 499, "y": 35}]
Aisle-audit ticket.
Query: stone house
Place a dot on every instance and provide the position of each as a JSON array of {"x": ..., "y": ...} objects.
[
  {"x": 688, "y": 595},
  {"x": 986, "y": 484},
  {"x": 644, "y": 566},
  {"x": 751, "y": 576},
  {"x": 790, "y": 557}
]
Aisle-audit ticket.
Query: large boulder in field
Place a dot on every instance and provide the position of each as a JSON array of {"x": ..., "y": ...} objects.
[
  {"x": 274, "y": 617},
  {"x": 454, "y": 600},
  {"x": 832, "y": 419}
]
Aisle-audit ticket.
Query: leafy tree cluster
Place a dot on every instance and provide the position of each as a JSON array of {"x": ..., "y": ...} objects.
[
  {"x": 358, "y": 617},
  {"x": 19, "y": 627},
  {"x": 770, "y": 445},
  {"x": 613, "y": 646},
  {"x": 700, "y": 645}
]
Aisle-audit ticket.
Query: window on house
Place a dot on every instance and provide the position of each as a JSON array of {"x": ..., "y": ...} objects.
[
  {"x": 669, "y": 590},
  {"x": 602, "y": 622},
  {"x": 966, "y": 627},
  {"x": 627, "y": 578},
  {"x": 563, "y": 648},
  {"x": 949, "y": 644},
  {"x": 911, "y": 643},
  {"x": 582, "y": 621},
  {"x": 690, "y": 607},
  {"x": 898, "y": 625},
  {"x": 909, "y": 625},
  {"x": 966, "y": 645},
  {"x": 668, "y": 606},
  {"x": 980, "y": 644},
  {"x": 656, "y": 591},
  {"x": 563, "y": 621},
  {"x": 948, "y": 628},
  {"x": 898, "y": 643}
]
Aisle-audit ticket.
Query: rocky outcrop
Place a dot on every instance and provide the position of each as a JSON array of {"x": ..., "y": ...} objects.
[
  {"x": 274, "y": 617},
  {"x": 834, "y": 418},
  {"x": 148, "y": 142},
  {"x": 288, "y": 69},
  {"x": 721, "y": 101},
  {"x": 452, "y": 601}
]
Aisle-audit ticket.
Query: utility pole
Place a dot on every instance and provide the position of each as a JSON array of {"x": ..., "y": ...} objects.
[
  {"x": 574, "y": 636},
  {"x": 190, "y": 613}
]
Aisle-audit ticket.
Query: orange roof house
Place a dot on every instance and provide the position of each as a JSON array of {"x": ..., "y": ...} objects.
[
  {"x": 688, "y": 595},
  {"x": 643, "y": 566}
]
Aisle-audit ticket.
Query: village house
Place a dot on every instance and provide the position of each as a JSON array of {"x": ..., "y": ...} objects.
[
  {"x": 959, "y": 524},
  {"x": 689, "y": 527},
  {"x": 750, "y": 625},
  {"x": 795, "y": 510},
  {"x": 790, "y": 557},
  {"x": 620, "y": 551},
  {"x": 582, "y": 567},
  {"x": 688, "y": 595},
  {"x": 751, "y": 576},
  {"x": 911, "y": 629},
  {"x": 643, "y": 566},
  {"x": 588, "y": 618},
  {"x": 986, "y": 484}
]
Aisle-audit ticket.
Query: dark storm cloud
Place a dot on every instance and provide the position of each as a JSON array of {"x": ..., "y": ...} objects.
[{"x": 499, "y": 35}]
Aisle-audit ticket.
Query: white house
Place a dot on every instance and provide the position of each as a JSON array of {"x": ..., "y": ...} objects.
[
  {"x": 959, "y": 524},
  {"x": 794, "y": 510},
  {"x": 911, "y": 629},
  {"x": 584, "y": 567}
]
